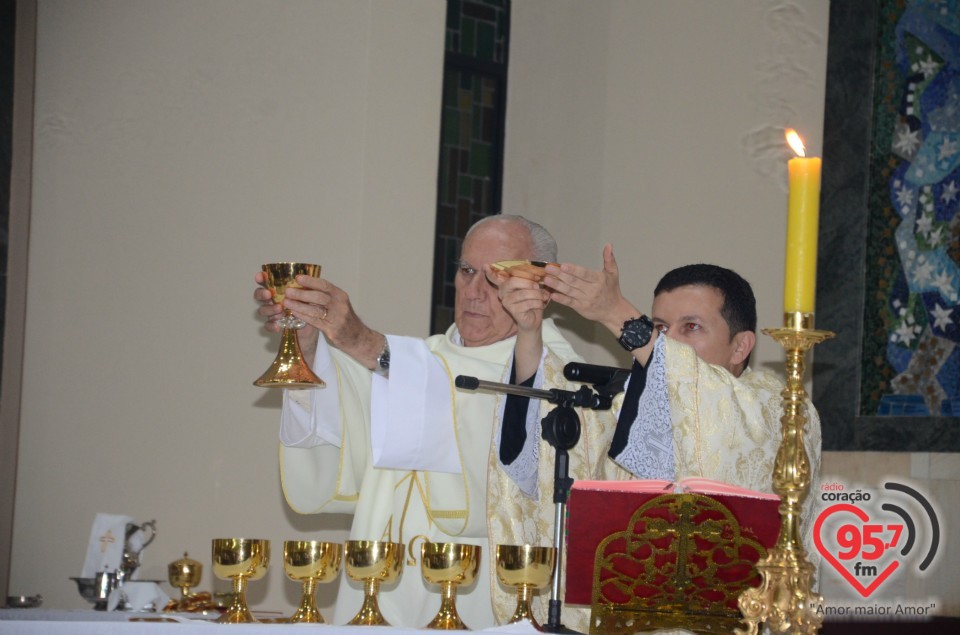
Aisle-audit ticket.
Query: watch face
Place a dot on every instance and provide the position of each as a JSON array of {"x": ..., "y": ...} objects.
[{"x": 636, "y": 333}]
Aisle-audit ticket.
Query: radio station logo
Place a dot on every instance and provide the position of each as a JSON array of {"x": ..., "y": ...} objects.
[{"x": 869, "y": 537}]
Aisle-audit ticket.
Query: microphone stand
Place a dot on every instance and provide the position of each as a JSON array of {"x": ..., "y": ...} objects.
[{"x": 561, "y": 429}]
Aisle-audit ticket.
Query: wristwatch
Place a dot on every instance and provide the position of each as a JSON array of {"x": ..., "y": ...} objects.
[
  {"x": 382, "y": 366},
  {"x": 635, "y": 332}
]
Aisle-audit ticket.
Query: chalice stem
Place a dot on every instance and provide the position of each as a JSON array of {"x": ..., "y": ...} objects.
[
  {"x": 238, "y": 612},
  {"x": 308, "y": 612},
  {"x": 369, "y": 614},
  {"x": 447, "y": 617},
  {"x": 524, "y": 612}
]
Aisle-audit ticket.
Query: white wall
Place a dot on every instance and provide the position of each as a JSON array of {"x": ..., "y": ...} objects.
[
  {"x": 179, "y": 145},
  {"x": 658, "y": 126}
]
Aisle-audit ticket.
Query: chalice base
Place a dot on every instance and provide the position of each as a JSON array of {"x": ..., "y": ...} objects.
[
  {"x": 307, "y": 613},
  {"x": 369, "y": 614},
  {"x": 289, "y": 369},
  {"x": 524, "y": 613},
  {"x": 447, "y": 618},
  {"x": 237, "y": 612}
]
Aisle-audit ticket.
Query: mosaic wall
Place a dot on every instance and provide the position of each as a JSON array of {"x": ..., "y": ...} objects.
[
  {"x": 882, "y": 383},
  {"x": 910, "y": 358},
  {"x": 471, "y": 137}
]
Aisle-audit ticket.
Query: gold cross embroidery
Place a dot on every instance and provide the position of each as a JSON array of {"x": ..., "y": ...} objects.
[{"x": 106, "y": 539}]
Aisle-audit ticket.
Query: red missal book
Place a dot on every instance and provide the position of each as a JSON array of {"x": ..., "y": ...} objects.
[{"x": 642, "y": 552}]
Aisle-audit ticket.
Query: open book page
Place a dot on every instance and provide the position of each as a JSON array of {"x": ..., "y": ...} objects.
[
  {"x": 646, "y": 485},
  {"x": 690, "y": 484},
  {"x": 708, "y": 486}
]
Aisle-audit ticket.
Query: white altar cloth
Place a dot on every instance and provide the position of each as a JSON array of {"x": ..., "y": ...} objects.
[{"x": 89, "y": 622}]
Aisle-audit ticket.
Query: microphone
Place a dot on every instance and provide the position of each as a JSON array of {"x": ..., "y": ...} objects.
[
  {"x": 593, "y": 374},
  {"x": 466, "y": 382}
]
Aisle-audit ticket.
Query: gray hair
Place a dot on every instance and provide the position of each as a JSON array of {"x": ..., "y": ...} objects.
[{"x": 544, "y": 244}]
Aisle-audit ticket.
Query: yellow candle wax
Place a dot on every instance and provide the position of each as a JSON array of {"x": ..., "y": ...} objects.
[{"x": 803, "y": 215}]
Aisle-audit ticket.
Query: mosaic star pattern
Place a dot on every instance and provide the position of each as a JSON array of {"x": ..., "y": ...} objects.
[{"x": 911, "y": 361}]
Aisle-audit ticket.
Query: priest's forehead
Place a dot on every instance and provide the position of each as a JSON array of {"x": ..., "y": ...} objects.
[{"x": 496, "y": 239}]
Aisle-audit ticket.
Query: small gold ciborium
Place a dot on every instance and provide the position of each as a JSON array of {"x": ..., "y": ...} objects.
[
  {"x": 240, "y": 560},
  {"x": 184, "y": 574},
  {"x": 289, "y": 369},
  {"x": 373, "y": 563},
  {"x": 527, "y": 568},
  {"x": 450, "y": 565},
  {"x": 311, "y": 562}
]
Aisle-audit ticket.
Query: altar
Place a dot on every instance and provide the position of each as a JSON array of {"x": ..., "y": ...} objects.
[{"x": 89, "y": 622}]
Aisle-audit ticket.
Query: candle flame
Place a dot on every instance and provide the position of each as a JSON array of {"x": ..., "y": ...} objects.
[{"x": 796, "y": 142}]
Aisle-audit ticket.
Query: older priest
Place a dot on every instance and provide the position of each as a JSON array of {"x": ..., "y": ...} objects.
[{"x": 390, "y": 440}]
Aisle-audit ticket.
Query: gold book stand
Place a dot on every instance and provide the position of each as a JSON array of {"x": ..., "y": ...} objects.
[{"x": 682, "y": 562}]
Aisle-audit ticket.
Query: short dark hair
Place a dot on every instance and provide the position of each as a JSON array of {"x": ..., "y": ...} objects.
[{"x": 739, "y": 308}]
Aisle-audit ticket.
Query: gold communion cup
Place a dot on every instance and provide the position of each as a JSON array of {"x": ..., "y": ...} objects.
[
  {"x": 449, "y": 565},
  {"x": 373, "y": 563},
  {"x": 240, "y": 560},
  {"x": 311, "y": 562},
  {"x": 289, "y": 369},
  {"x": 526, "y": 568}
]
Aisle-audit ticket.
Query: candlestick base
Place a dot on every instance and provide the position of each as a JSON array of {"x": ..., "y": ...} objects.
[{"x": 785, "y": 601}]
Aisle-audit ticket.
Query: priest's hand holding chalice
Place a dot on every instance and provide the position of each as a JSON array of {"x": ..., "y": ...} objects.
[{"x": 289, "y": 369}]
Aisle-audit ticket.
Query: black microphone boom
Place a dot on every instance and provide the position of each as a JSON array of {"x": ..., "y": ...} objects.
[{"x": 596, "y": 375}]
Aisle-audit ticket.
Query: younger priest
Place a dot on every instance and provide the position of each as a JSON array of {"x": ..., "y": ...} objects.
[{"x": 692, "y": 407}]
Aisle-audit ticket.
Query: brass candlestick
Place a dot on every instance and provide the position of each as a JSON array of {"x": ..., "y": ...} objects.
[{"x": 785, "y": 600}]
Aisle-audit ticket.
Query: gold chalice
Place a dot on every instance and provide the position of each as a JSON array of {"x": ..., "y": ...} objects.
[
  {"x": 448, "y": 564},
  {"x": 240, "y": 560},
  {"x": 310, "y": 562},
  {"x": 527, "y": 568},
  {"x": 372, "y": 563},
  {"x": 289, "y": 369}
]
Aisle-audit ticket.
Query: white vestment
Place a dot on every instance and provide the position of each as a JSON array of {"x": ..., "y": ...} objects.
[{"x": 332, "y": 437}]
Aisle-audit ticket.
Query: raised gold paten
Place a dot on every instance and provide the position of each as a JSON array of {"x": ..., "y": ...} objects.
[
  {"x": 373, "y": 563},
  {"x": 529, "y": 269},
  {"x": 448, "y": 564},
  {"x": 526, "y": 568},
  {"x": 311, "y": 562},
  {"x": 240, "y": 560},
  {"x": 289, "y": 369}
]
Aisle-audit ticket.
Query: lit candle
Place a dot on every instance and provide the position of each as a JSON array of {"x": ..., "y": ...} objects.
[{"x": 803, "y": 214}]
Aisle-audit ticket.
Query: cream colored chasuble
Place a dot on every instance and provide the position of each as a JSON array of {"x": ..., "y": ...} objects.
[{"x": 336, "y": 472}]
